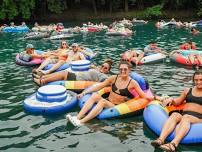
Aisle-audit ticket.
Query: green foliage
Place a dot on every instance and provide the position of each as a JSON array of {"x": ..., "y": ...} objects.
[
  {"x": 56, "y": 6},
  {"x": 154, "y": 11},
  {"x": 200, "y": 10},
  {"x": 8, "y": 9},
  {"x": 26, "y": 7}
]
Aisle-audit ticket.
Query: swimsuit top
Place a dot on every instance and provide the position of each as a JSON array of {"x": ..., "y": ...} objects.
[
  {"x": 122, "y": 92},
  {"x": 193, "y": 99}
]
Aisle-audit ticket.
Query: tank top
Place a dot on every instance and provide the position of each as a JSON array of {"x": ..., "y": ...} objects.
[{"x": 193, "y": 99}]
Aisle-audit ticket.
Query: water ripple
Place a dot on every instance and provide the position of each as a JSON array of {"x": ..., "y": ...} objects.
[{"x": 20, "y": 131}]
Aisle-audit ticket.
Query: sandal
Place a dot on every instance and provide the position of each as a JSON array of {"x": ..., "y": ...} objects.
[
  {"x": 34, "y": 71},
  {"x": 73, "y": 119},
  {"x": 39, "y": 83},
  {"x": 34, "y": 75},
  {"x": 170, "y": 147},
  {"x": 158, "y": 142}
]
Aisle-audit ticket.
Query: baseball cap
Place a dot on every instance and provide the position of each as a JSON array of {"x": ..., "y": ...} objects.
[
  {"x": 29, "y": 46},
  {"x": 75, "y": 44}
]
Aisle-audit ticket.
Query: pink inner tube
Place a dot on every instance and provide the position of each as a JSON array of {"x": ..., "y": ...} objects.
[
  {"x": 92, "y": 29},
  {"x": 30, "y": 63}
]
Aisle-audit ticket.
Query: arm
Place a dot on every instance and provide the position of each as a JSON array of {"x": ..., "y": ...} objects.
[
  {"x": 82, "y": 50},
  {"x": 141, "y": 93},
  {"x": 176, "y": 101},
  {"x": 81, "y": 55},
  {"x": 97, "y": 87}
]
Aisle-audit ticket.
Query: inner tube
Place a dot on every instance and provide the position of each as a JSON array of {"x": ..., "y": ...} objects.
[
  {"x": 62, "y": 67},
  {"x": 154, "y": 113},
  {"x": 36, "y": 35},
  {"x": 152, "y": 58},
  {"x": 133, "y": 106},
  {"x": 76, "y": 86},
  {"x": 50, "y": 100},
  {"x": 32, "y": 62},
  {"x": 116, "y": 33},
  {"x": 182, "y": 57},
  {"x": 16, "y": 29},
  {"x": 80, "y": 65},
  {"x": 61, "y": 36}
]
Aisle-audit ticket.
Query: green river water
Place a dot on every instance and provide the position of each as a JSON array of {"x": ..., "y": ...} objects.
[{"x": 20, "y": 131}]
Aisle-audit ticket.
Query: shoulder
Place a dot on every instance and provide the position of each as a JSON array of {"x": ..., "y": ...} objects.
[
  {"x": 112, "y": 78},
  {"x": 133, "y": 82},
  {"x": 186, "y": 90}
]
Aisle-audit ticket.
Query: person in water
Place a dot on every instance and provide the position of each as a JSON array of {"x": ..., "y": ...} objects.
[
  {"x": 188, "y": 46},
  {"x": 152, "y": 48},
  {"x": 191, "y": 114},
  {"x": 194, "y": 31},
  {"x": 95, "y": 74},
  {"x": 132, "y": 56},
  {"x": 122, "y": 87},
  {"x": 30, "y": 50},
  {"x": 57, "y": 57}
]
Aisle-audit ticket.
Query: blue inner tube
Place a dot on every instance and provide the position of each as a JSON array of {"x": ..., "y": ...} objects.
[
  {"x": 62, "y": 67},
  {"x": 53, "y": 105},
  {"x": 155, "y": 117},
  {"x": 16, "y": 29}
]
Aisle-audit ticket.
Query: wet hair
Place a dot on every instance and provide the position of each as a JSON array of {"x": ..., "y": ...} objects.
[
  {"x": 190, "y": 42},
  {"x": 125, "y": 62},
  {"x": 109, "y": 62},
  {"x": 197, "y": 72},
  {"x": 153, "y": 42}
]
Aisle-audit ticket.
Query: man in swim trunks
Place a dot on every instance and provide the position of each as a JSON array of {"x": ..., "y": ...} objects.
[{"x": 96, "y": 74}]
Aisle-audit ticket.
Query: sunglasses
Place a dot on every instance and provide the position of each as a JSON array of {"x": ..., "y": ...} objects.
[
  {"x": 123, "y": 69},
  {"x": 64, "y": 43}
]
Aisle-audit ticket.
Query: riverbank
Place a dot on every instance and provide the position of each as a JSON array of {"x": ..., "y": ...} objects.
[{"x": 75, "y": 15}]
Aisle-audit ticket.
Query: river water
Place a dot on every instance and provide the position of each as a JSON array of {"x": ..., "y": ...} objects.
[{"x": 20, "y": 131}]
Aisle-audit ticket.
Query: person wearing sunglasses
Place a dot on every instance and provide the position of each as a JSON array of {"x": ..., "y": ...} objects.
[
  {"x": 181, "y": 121},
  {"x": 57, "y": 57},
  {"x": 122, "y": 86},
  {"x": 95, "y": 74},
  {"x": 75, "y": 54}
]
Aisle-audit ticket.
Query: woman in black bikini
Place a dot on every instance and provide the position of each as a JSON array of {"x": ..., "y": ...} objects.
[
  {"x": 192, "y": 113},
  {"x": 121, "y": 84}
]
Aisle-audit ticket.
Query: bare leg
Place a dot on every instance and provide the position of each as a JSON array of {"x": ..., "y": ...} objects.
[
  {"x": 191, "y": 58},
  {"x": 184, "y": 127},
  {"x": 199, "y": 57},
  {"x": 43, "y": 65},
  {"x": 88, "y": 105},
  {"x": 62, "y": 75},
  {"x": 54, "y": 67},
  {"x": 96, "y": 110},
  {"x": 136, "y": 60},
  {"x": 170, "y": 125}
]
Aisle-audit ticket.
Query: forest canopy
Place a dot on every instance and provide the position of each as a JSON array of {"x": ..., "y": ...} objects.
[{"x": 32, "y": 9}]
